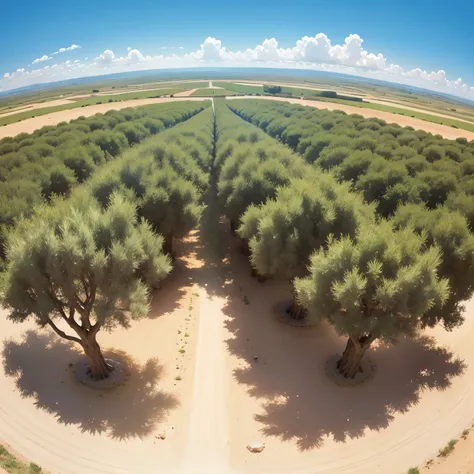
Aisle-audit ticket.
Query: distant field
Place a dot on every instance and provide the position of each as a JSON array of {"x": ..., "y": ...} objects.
[
  {"x": 213, "y": 92},
  {"x": 409, "y": 113},
  {"x": 320, "y": 96},
  {"x": 239, "y": 88},
  {"x": 89, "y": 101}
]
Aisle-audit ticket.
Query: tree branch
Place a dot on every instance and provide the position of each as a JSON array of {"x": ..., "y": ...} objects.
[{"x": 62, "y": 334}]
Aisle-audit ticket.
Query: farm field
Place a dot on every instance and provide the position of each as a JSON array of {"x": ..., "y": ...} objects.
[
  {"x": 362, "y": 96},
  {"x": 94, "y": 100},
  {"x": 214, "y": 91},
  {"x": 227, "y": 254}
]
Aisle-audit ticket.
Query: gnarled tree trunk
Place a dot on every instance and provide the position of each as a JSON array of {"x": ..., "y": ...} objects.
[
  {"x": 98, "y": 366},
  {"x": 349, "y": 364},
  {"x": 296, "y": 311}
]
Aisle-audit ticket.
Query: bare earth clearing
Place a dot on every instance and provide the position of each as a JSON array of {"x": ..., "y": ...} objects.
[{"x": 420, "y": 398}]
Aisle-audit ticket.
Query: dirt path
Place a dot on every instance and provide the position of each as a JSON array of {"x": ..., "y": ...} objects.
[
  {"x": 443, "y": 130},
  {"x": 417, "y": 402},
  {"x": 185, "y": 93},
  {"x": 30, "y": 125},
  {"x": 52, "y": 103}
]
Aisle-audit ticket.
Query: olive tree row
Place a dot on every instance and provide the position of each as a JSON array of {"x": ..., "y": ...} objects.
[{"x": 90, "y": 261}]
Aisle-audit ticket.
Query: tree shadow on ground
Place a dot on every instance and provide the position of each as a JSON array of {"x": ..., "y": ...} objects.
[
  {"x": 39, "y": 363},
  {"x": 174, "y": 288},
  {"x": 299, "y": 404}
]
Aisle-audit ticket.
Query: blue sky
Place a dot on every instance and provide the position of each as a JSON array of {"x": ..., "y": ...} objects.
[{"x": 431, "y": 36}]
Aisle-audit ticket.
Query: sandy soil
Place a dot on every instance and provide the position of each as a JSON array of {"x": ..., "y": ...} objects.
[
  {"x": 248, "y": 84},
  {"x": 51, "y": 103},
  {"x": 30, "y": 125},
  {"x": 185, "y": 93},
  {"x": 69, "y": 428},
  {"x": 460, "y": 461},
  {"x": 420, "y": 398},
  {"x": 444, "y": 130},
  {"x": 213, "y": 87}
]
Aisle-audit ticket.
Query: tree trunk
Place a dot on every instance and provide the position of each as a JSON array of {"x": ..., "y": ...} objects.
[
  {"x": 349, "y": 364},
  {"x": 233, "y": 227},
  {"x": 168, "y": 245},
  {"x": 296, "y": 311},
  {"x": 99, "y": 368},
  {"x": 245, "y": 248}
]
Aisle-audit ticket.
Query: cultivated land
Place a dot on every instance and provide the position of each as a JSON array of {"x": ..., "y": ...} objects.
[
  {"x": 210, "y": 369},
  {"x": 421, "y": 104}
]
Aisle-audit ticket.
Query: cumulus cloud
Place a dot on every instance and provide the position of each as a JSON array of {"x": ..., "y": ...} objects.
[
  {"x": 211, "y": 50},
  {"x": 309, "y": 52},
  {"x": 106, "y": 58},
  {"x": 69, "y": 48},
  {"x": 134, "y": 56},
  {"x": 42, "y": 59}
]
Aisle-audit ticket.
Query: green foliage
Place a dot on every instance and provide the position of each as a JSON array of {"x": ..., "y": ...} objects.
[
  {"x": 283, "y": 232},
  {"x": 448, "y": 231},
  {"x": 272, "y": 89},
  {"x": 251, "y": 165},
  {"x": 50, "y": 255},
  {"x": 448, "y": 449},
  {"x": 370, "y": 153},
  {"x": 12, "y": 465},
  {"x": 52, "y": 160},
  {"x": 382, "y": 284}
]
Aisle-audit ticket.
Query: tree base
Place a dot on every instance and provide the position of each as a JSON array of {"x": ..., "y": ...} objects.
[
  {"x": 116, "y": 377},
  {"x": 282, "y": 313},
  {"x": 368, "y": 369}
]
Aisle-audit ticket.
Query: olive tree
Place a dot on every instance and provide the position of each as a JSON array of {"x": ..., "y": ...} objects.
[
  {"x": 283, "y": 232},
  {"x": 80, "y": 268},
  {"x": 382, "y": 285},
  {"x": 449, "y": 231}
]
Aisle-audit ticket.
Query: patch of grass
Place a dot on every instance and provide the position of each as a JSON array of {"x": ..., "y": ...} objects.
[
  {"x": 413, "y": 470},
  {"x": 14, "y": 466},
  {"x": 212, "y": 92},
  {"x": 448, "y": 449},
  {"x": 182, "y": 351},
  {"x": 186, "y": 334},
  {"x": 178, "y": 378}
]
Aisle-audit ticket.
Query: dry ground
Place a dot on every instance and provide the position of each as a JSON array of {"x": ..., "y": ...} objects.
[{"x": 420, "y": 398}]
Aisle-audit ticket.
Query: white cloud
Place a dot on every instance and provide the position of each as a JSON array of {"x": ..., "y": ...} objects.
[
  {"x": 42, "y": 59},
  {"x": 69, "y": 48},
  {"x": 211, "y": 50},
  {"x": 106, "y": 57},
  {"x": 310, "y": 52},
  {"x": 134, "y": 56}
]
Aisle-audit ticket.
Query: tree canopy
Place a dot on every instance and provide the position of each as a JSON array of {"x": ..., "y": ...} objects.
[{"x": 81, "y": 267}]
